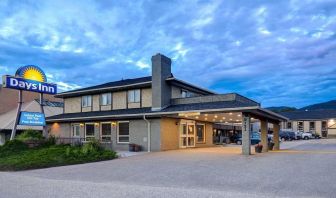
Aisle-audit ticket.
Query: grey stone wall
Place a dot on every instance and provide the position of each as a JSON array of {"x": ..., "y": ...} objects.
[{"x": 161, "y": 90}]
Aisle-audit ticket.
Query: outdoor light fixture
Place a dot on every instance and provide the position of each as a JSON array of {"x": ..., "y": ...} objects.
[
  {"x": 223, "y": 118},
  {"x": 231, "y": 119},
  {"x": 114, "y": 124},
  {"x": 230, "y": 113},
  {"x": 239, "y": 115},
  {"x": 189, "y": 114},
  {"x": 226, "y": 122},
  {"x": 216, "y": 116},
  {"x": 81, "y": 124},
  {"x": 96, "y": 124},
  {"x": 205, "y": 115},
  {"x": 196, "y": 117}
]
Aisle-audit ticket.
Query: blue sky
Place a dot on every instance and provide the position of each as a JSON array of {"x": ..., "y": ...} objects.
[{"x": 276, "y": 52}]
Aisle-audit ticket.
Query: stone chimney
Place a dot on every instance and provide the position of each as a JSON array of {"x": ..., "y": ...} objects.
[{"x": 161, "y": 91}]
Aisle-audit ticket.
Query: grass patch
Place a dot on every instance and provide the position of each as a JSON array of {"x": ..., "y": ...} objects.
[{"x": 15, "y": 155}]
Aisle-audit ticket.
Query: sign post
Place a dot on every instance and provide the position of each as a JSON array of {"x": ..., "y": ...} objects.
[
  {"x": 17, "y": 118},
  {"x": 29, "y": 78}
]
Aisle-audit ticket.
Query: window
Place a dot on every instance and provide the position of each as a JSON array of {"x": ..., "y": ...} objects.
[
  {"x": 134, "y": 95},
  {"x": 89, "y": 132},
  {"x": 289, "y": 125},
  {"x": 123, "y": 132},
  {"x": 300, "y": 126},
  {"x": 312, "y": 127},
  {"x": 200, "y": 133},
  {"x": 86, "y": 101},
  {"x": 324, "y": 125},
  {"x": 76, "y": 130},
  {"x": 106, "y": 131},
  {"x": 105, "y": 99},
  {"x": 184, "y": 94}
]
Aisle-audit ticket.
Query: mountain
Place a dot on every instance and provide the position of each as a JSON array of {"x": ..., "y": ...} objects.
[
  {"x": 281, "y": 109},
  {"x": 330, "y": 105}
]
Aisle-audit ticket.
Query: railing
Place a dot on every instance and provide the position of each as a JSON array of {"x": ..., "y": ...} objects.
[{"x": 81, "y": 141}]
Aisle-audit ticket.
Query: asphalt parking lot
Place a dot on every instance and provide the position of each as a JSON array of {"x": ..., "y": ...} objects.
[{"x": 301, "y": 169}]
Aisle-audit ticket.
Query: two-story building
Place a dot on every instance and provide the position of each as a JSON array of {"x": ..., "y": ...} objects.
[
  {"x": 158, "y": 112},
  {"x": 322, "y": 122}
]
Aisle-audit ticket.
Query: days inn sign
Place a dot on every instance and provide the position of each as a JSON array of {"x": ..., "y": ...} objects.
[{"x": 29, "y": 78}]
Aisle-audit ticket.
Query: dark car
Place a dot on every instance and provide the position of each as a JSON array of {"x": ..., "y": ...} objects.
[
  {"x": 255, "y": 139},
  {"x": 287, "y": 135}
]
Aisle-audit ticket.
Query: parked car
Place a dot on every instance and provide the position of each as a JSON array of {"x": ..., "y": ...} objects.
[
  {"x": 292, "y": 135},
  {"x": 255, "y": 138},
  {"x": 316, "y": 136},
  {"x": 298, "y": 135},
  {"x": 307, "y": 135},
  {"x": 287, "y": 135}
]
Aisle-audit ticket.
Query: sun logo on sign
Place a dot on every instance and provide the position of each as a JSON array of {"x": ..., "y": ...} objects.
[{"x": 31, "y": 72}]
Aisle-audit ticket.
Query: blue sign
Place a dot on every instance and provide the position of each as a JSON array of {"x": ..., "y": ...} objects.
[
  {"x": 29, "y": 85},
  {"x": 32, "y": 119}
]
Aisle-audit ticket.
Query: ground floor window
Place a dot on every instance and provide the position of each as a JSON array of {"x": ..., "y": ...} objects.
[
  {"x": 200, "y": 133},
  {"x": 312, "y": 126},
  {"x": 123, "y": 132},
  {"x": 89, "y": 131},
  {"x": 300, "y": 126},
  {"x": 106, "y": 131},
  {"x": 76, "y": 130},
  {"x": 289, "y": 125}
]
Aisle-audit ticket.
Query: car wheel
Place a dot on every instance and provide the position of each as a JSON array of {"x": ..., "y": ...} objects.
[
  {"x": 306, "y": 138},
  {"x": 239, "y": 142}
]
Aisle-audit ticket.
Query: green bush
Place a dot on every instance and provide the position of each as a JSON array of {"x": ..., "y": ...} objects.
[
  {"x": 30, "y": 135},
  {"x": 12, "y": 147},
  {"x": 50, "y": 141},
  {"x": 55, "y": 155}
]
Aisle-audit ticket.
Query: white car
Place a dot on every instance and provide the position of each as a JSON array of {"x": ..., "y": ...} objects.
[{"x": 306, "y": 136}]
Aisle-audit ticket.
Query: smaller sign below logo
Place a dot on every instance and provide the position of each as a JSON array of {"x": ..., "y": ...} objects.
[{"x": 32, "y": 119}]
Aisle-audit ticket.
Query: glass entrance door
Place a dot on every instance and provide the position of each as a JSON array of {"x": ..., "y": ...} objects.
[{"x": 187, "y": 135}]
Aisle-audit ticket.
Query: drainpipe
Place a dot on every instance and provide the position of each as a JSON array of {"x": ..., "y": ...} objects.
[{"x": 148, "y": 133}]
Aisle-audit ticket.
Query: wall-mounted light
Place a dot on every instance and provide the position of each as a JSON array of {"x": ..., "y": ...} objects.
[
  {"x": 96, "y": 124},
  {"x": 81, "y": 124},
  {"x": 216, "y": 116},
  {"x": 196, "y": 117},
  {"x": 230, "y": 113},
  {"x": 114, "y": 124}
]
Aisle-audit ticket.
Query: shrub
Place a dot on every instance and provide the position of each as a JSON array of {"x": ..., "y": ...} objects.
[
  {"x": 50, "y": 141},
  {"x": 12, "y": 147},
  {"x": 90, "y": 147},
  {"x": 30, "y": 135}
]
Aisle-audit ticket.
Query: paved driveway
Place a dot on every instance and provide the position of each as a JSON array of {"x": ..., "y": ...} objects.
[{"x": 303, "y": 169}]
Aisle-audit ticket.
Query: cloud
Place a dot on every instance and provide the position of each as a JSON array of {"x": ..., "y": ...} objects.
[{"x": 277, "y": 52}]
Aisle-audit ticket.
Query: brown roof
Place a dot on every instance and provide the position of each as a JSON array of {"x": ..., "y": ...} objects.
[{"x": 9, "y": 98}]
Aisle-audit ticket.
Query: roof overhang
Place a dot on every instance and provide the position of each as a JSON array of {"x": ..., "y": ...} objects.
[
  {"x": 255, "y": 111},
  {"x": 102, "y": 90}
]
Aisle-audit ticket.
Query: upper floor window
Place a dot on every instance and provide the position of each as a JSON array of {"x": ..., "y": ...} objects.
[
  {"x": 134, "y": 95},
  {"x": 105, "y": 99},
  {"x": 86, "y": 101},
  {"x": 186, "y": 94}
]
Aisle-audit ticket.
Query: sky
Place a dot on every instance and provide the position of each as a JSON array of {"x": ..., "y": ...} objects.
[{"x": 275, "y": 52}]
